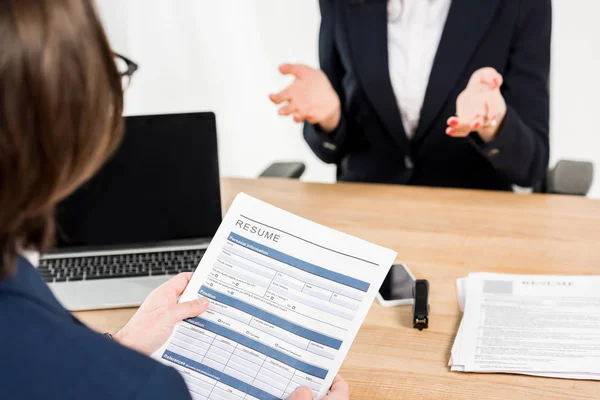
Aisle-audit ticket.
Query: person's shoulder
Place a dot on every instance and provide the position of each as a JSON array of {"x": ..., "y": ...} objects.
[{"x": 46, "y": 355}]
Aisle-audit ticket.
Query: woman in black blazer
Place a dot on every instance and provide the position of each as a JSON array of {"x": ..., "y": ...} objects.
[{"x": 449, "y": 93}]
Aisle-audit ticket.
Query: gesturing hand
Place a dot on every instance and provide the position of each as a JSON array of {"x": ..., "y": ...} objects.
[
  {"x": 154, "y": 321},
  {"x": 480, "y": 107},
  {"x": 309, "y": 98},
  {"x": 338, "y": 391}
]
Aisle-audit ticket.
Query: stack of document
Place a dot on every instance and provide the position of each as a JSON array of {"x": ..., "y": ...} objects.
[{"x": 529, "y": 324}]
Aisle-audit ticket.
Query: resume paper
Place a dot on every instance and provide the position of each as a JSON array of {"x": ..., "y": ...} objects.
[{"x": 287, "y": 298}]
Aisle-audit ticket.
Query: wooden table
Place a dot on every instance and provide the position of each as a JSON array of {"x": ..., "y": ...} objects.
[{"x": 441, "y": 235}]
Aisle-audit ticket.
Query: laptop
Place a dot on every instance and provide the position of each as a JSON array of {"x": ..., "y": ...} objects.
[{"x": 146, "y": 216}]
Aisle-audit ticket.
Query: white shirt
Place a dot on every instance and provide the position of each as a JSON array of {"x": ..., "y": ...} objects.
[{"x": 414, "y": 31}]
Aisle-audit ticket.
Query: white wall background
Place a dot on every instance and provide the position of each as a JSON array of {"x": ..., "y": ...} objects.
[
  {"x": 575, "y": 132},
  {"x": 222, "y": 55}
]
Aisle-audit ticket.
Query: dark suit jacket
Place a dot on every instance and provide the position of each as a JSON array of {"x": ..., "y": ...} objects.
[
  {"x": 45, "y": 353},
  {"x": 370, "y": 144}
]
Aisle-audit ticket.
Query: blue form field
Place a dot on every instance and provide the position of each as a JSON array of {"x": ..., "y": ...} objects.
[
  {"x": 297, "y": 263},
  {"x": 270, "y": 318},
  {"x": 217, "y": 375},
  {"x": 260, "y": 347}
]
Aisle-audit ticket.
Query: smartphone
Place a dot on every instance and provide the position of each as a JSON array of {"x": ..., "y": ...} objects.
[{"x": 397, "y": 288}]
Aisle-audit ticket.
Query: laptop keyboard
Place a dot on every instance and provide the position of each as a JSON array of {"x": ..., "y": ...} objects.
[{"x": 120, "y": 266}]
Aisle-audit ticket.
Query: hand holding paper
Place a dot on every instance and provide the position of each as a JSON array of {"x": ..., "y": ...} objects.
[{"x": 154, "y": 321}]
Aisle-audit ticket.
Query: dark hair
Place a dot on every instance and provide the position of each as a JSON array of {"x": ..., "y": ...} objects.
[{"x": 61, "y": 103}]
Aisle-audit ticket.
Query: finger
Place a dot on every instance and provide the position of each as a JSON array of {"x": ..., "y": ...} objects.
[
  {"x": 490, "y": 113},
  {"x": 339, "y": 389},
  {"x": 293, "y": 69},
  {"x": 496, "y": 106},
  {"x": 458, "y": 127},
  {"x": 458, "y": 132},
  {"x": 177, "y": 284},
  {"x": 302, "y": 393},
  {"x": 189, "y": 309},
  {"x": 492, "y": 79},
  {"x": 458, "y": 124},
  {"x": 476, "y": 123},
  {"x": 453, "y": 122},
  {"x": 299, "y": 117},
  {"x": 284, "y": 95},
  {"x": 288, "y": 109}
]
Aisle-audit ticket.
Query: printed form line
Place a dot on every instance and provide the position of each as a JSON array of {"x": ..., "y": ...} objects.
[
  {"x": 308, "y": 241},
  {"x": 300, "y": 264},
  {"x": 227, "y": 261},
  {"x": 270, "y": 318},
  {"x": 259, "y": 347},
  {"x": 217, "y": 375},
  {"x": 228, "y": 286}
]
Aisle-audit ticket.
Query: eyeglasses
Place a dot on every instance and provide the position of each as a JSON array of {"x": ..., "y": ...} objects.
[{"x": 126, "y": 69}]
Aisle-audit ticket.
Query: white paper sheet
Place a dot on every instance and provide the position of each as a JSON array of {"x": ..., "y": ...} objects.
[
  {"x": 288, "y": 296},
  {"x": 529, "y": 324}
]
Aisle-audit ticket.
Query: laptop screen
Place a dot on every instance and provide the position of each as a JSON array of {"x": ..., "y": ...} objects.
[{"x": 162, "y": 184}]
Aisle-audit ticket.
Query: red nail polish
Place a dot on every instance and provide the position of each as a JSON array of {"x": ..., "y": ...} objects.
[
  {"x": 476, "y": 126},
  {"x": 450, "y": 131},
  {"x": 453, "y": 122}
]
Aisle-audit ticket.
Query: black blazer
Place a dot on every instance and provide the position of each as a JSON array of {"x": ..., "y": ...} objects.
[{"x": 370, "y": 144}]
